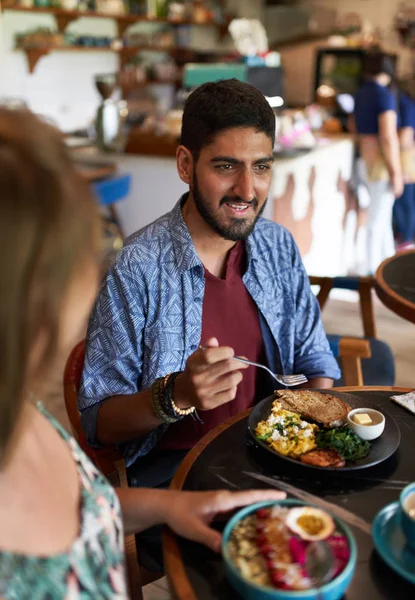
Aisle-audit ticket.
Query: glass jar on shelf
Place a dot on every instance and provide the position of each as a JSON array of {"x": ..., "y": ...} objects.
[
  {"x": 136, "y": 7},
  {"x": 111, "y": 7},
  {"x": 67, "y": 4},
  {"x": 200, "y": 13},
  {"x": 176, "y": 11},
  {"x": 162, "y": 8}
]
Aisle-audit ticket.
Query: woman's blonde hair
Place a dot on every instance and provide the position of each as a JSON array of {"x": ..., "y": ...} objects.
[{"x": 48, "y": 224}]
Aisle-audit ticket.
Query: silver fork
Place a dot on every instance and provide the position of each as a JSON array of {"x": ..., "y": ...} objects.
[{"x": 288, "y": 380}]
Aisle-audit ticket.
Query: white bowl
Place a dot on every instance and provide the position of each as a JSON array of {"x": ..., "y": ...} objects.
[{"x": 367, "y": 432}]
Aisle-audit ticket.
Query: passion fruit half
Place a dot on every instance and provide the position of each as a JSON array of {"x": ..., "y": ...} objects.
[{"x": 309, "y": 523}]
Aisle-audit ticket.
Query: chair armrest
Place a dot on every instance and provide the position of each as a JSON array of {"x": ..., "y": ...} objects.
[
  {"x": 351, "y": 351},
  {"x": 349, "y": 346}
]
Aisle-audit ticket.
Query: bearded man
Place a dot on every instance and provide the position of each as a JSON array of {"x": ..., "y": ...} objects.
[{"x": 208, "y": 281}]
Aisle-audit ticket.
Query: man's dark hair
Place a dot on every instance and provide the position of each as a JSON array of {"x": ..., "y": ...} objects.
[
  {"x": 375, "y": 63},
  {"x": 216, "y": 106}
]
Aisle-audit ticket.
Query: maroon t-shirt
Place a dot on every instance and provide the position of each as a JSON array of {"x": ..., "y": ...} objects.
[{"x": 230, "y": 315}]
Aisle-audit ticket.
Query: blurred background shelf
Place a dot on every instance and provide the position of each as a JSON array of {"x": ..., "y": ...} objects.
[
  {"x": 34, "y": 54},
  {"x": 64, "y": 17},
  {"x": 179, "y": 53}
]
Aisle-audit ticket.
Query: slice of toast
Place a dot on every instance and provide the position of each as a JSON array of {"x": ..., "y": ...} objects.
[{"x": 325, "y": 409}]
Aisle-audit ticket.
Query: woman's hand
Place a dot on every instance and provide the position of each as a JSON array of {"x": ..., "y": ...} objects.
[{"x": 189, "y": 514}]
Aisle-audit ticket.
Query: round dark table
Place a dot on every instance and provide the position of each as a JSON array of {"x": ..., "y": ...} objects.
[
  {"x": 225, "y": 458},
  {"x": 395, "y": 284}
]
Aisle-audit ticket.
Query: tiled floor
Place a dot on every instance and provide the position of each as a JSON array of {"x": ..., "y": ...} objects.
[{"x": 339, "y": 317}]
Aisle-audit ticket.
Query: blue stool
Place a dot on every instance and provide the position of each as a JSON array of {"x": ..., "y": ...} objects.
[{"x": 112, "y": 190}]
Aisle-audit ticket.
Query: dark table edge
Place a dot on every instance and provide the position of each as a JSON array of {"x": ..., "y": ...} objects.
[
  {"x": 389, "y": 297},
  {"x": 179, "y": 583}
]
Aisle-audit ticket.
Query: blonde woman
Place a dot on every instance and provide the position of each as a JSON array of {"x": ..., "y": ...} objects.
[{"x": 61, "y": 523}]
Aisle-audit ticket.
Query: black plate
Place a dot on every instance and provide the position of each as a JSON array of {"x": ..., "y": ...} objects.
[{"x": 381, "y": 449}]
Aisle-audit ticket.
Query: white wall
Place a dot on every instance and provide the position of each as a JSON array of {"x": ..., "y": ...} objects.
[
  {"x": 62, "y": 85},
  {"x": 381, "y": 14},
  {"x": 151, "y": 194}
]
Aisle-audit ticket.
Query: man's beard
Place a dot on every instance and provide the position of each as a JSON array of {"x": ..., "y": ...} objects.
[{"x": 238, "y": 229}]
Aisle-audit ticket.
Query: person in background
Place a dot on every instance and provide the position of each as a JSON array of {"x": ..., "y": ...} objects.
[
  {"x": 379, "y": 167},
  {"x": 404, "y": 207},
  {"x": 61, "y": 523}
]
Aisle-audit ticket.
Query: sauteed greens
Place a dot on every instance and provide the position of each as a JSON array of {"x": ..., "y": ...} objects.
[{"x": 345, "y": 441}]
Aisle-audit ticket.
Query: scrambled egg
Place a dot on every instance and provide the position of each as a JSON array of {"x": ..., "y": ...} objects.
[{"x": 286, "y": 432}]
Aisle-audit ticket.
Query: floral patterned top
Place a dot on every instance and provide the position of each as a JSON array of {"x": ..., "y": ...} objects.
[{"x": 93, "y": 569}]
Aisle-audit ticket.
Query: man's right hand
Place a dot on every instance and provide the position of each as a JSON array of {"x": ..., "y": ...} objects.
[{"x": 210, "y": 378}]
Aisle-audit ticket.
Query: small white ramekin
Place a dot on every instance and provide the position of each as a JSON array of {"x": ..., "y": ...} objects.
[{"x": 367, "y": 432}]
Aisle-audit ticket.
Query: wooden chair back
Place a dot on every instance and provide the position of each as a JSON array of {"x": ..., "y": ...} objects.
[
  {"x": 108, "y": 461},
  {"x": 362, "y": 285},
  {"x": 351, "y": 349}
]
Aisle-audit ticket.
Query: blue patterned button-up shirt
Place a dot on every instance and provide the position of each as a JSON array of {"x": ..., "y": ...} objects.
[{"x": 148, "y": 316}]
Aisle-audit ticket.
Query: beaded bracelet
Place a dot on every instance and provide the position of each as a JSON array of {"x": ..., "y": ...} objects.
[
  {"x": 157, "y": 396},
  {"x": 183, "y": 412},
  {"x": 163, "y": 404},
  {"x": 176, "y": 410}
]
